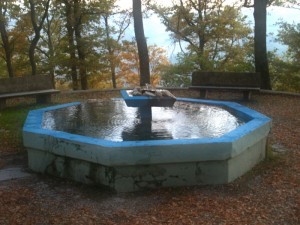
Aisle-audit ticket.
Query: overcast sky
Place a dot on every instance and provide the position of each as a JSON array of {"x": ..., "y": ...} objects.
[{"x": 156, "y": 34}]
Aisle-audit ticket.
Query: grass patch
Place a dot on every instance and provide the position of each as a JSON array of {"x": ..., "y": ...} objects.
[{"x": 11, "y": 125}]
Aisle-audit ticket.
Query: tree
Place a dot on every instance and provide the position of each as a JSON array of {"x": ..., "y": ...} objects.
[
  {"x": 114, "y": 34},
  {"x": 51, "y": 43},
  {"x": 157, "y": 61},
  {"x": 5, "y": 6},
  {"x": 20, "y": 36},
  {"x": 178, "y": 74},
  {"x": 289, "y": 35},
  {"x": 37, "y": 24},
  {"x": 141, "y": 42},
  {"x": 285, "y": 70},
  {"x": 186, "y": 22},
  {"x": 260, "y": 35},
  {"x": 295, "y": 4},
  {"x": 82, "y": 24},
  {"x": 284, "y": 73},
  {"x": 215, "y": 35},
  {"x": 3, "y": 68},
  {"x": 260, "y": 40},
  {"x": 75, "y": 16},
  {"x": 78, "y": 17},
  {"x": 128, "y": 71},
  {"x": 71, "y": 42}
]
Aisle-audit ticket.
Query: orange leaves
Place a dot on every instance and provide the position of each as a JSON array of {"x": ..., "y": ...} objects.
[
  {"x": 269, "y": 194},
  {"x": 128, "y": 73}
]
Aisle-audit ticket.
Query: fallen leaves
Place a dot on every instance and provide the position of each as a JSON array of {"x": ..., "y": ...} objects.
[{"x": 269, "y": 194}]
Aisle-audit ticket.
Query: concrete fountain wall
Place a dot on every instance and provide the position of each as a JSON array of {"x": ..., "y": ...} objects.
[{"x": 135, "y": 165}]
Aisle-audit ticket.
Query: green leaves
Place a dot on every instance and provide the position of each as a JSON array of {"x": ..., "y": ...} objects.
[
  {"x": 290, "y": 35},
  {"x": 285, "y": 70},
  {"x": 216, "y": 34}
]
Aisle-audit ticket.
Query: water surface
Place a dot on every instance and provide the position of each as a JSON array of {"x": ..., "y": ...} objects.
[{"x": 113, "y": 120}]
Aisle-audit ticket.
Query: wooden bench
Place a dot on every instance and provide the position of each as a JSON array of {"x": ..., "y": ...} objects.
[
  {"x": 40, "y": 86},
  {"x": 234, "y": 81}
]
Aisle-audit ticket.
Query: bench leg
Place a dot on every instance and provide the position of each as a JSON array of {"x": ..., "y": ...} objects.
[
  {"x": 203, "y": 93},
  {"x": 247, "y": 95},
  {"x": 43, "y": 99},
  {"x": 2, "y": 103}
]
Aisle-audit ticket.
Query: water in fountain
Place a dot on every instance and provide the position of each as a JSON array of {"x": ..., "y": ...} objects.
[{"x": 113, "y": 120}]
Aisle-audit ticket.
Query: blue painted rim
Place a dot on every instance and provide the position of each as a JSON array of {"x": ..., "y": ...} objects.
[{"x": 33, "y": 124}]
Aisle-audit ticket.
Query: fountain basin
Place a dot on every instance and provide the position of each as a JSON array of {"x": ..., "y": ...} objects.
[{"x": 135, "y": 165}]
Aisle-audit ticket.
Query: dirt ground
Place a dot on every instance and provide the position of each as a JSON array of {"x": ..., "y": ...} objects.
[{"x": 269, "y": 194}]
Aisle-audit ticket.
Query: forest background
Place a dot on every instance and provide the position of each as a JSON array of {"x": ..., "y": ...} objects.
[{"x": 90, "y": 44}]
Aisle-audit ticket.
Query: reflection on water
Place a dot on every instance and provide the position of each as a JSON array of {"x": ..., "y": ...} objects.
[{"x": 113, "y": 120}]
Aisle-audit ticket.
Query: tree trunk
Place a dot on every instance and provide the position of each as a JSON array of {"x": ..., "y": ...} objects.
[
  {"x": 113, "y": 69},
  {"x": 141, "y": 43},
  {"x": 110, "y": 53},
  {"x": 80, "y": 45},
  {"x": 260, "y": 45},
  {"x": 201, "y": 36},
  {"x": 37, "y": 32},
  {"x": 50, "y": 51},
  {"x": 32, "y": 47},
  {"x": 6, "y": 45},
  {"x": 70, "y": 33}
]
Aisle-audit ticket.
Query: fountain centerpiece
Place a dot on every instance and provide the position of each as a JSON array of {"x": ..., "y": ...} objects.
[
  {"x": 146, "y": 98},
  {"x": 116, "y": 144}
]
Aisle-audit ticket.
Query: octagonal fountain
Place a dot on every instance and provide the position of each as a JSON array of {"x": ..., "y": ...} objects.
[{"x": 145, "y": 143}]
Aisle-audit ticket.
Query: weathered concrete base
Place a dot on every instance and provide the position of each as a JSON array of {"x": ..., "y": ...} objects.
[
  {"x": 136, "y": 165},
  {"x": 140, "y": 177}
]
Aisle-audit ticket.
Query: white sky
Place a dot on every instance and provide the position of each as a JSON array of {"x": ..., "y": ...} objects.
[
  {"x": 128, "y": 3},
  {"x": 156, "y": 34}
]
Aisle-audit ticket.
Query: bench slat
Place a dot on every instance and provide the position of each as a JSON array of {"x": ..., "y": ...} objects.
[
  {"x": 40, "y": 86},
  {"x": 26, "y": 83},
  {"x": 227, "y": 88},
  {"x": 27, "y": 93},
  {"x": 225, "y": 79},
  {"x": 236, "y": 81}
]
